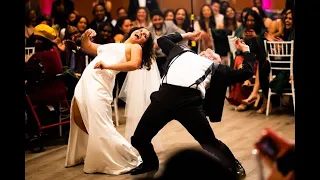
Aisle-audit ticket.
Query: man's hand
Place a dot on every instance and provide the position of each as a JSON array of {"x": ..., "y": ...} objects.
[
  {"x": 241, "y": 46},
  {"x": 193, "y": 36}
]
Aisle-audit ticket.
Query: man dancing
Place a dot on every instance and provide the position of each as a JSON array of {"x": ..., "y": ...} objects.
[{"x": 184, "y": 96}]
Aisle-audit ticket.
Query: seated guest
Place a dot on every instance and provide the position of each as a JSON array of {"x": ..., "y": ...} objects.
[{"x": 43, "y": 66}]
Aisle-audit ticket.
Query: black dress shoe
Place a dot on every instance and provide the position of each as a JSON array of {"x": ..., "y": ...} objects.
[
  {"x": 143, "y": 169},
  {"x": 241, "y": 173}
]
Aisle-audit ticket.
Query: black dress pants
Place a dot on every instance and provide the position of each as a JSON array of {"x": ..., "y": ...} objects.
[{"x": 186, "y": 106}]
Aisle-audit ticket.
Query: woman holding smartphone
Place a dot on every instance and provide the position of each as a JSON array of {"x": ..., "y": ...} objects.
[{"x": 278, "y": 154}]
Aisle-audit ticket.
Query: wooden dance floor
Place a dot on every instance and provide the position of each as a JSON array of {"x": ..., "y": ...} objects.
[{"x": 238, "y": 130}]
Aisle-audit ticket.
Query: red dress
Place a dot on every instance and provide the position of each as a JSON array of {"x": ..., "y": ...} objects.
[
  {"x": 49, "y": 89},
  {"x": 237, "y": 92}
]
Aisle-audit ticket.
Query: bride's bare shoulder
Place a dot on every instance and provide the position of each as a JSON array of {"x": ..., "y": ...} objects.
[{"x": 133, "y": 47}]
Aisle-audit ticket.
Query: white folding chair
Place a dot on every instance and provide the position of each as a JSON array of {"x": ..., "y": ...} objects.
[
  {"x": 280, "y": 50},
  {"x": 87, "y": 60},
  {"x": 115, "y": 104},
  {"x": 29, "y": 51},
  {"x": 232, "y": 40}
]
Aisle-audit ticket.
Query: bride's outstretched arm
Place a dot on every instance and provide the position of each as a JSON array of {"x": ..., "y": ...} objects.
[
  {"x": 133, "y": 64},
  {"x": 87, "y": 45}
]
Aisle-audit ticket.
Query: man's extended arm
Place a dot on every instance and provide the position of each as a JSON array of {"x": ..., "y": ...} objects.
[
  {"x": 167, "y": 42},
  {"x": 246, "y": 72}
]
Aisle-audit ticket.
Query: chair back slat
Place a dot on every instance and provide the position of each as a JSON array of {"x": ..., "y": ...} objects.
[
  {"x": 232, "y": 40},
  {"x": 29, "y": 51}
]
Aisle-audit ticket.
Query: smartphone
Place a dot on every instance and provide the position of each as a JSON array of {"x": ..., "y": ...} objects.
[
  {"x": 248, "y": 29},
  {"x": 268, "y": 147}
]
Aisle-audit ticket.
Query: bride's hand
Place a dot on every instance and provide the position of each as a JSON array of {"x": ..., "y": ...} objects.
[
  {"x": 100, "y": 65},
  {"x": 89, "y": 33}
]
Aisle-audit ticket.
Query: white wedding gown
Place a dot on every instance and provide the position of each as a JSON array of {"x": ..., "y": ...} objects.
[{"x": 104, "y": 150}]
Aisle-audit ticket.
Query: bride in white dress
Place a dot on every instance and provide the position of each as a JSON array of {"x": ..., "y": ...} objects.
[{"x": 93, "y": 139}]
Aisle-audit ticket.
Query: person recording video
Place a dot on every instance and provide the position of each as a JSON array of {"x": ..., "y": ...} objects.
[{"x": 278, "y": 153}]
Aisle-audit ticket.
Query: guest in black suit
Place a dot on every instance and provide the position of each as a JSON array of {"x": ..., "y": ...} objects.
[
  {"x": 100, "y": 16},
  {"x": 134, "y": 5},
  {"x": 183, "y": 97}
]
